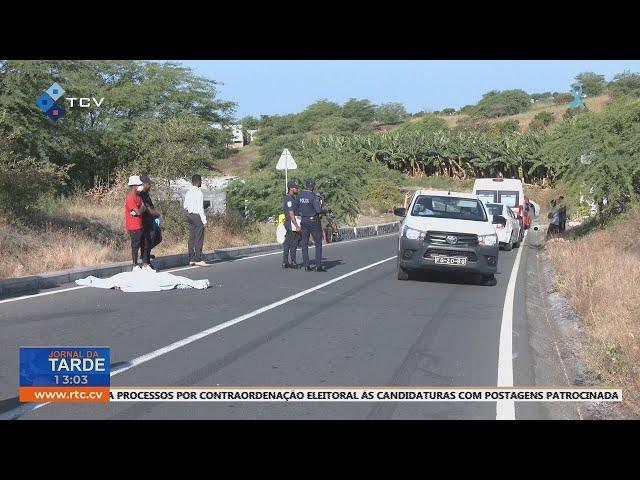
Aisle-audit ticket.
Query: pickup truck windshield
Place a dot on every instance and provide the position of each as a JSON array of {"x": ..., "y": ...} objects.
[{"x": 449, "y": 207}]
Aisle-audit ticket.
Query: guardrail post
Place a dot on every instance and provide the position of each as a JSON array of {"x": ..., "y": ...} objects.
[{"x": 355, "y": 232}]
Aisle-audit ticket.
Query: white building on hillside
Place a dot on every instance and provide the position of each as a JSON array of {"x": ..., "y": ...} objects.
[
  {"x": 236, "y": 132},
  {"x": 213, "y": 191}
]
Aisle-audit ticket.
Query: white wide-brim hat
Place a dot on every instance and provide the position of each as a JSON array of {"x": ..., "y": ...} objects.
[{"x": 135, "y": 180}]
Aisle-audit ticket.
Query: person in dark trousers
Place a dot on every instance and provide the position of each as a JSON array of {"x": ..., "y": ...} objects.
[
  {"x": 292, "y": 236},
  {"x": 309, "y": 210},
  {"x": 554, "y": 220},
  {"x": 150, "y": 229},
  {"x": 194, "y": 205},
  {"x": 563, "y": 214},
  {"x": 133, "y": 211},
  {"x": 323, "y": 221}
]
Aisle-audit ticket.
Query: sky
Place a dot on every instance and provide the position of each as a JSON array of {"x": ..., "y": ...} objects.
[{"x": 270, "y": 87}]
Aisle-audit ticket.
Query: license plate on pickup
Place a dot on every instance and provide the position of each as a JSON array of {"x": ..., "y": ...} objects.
[{"x": 451, "y": 260}]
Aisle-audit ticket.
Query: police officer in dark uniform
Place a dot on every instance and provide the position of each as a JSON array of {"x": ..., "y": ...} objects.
[
  {"x": 292, "y": 237},
  {"x": 310, "y": 209}
]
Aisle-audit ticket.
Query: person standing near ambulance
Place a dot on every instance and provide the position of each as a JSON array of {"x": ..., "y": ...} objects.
[{"x": 292, "y": 237}]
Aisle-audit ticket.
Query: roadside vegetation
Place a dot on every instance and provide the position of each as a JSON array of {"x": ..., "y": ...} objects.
[{"x": 598, "y": 268}]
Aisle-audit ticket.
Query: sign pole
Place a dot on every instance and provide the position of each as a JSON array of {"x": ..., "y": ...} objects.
[{"x": 283, "y": 164}]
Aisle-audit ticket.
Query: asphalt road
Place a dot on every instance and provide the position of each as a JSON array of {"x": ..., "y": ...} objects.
[{"x": 365, "y": 329}]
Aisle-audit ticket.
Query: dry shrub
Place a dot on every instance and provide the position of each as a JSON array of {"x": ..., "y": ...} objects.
[
  {"x": 600, "y": 273},
  {"x": 24, "y": 251},
  {"x": 110, "y": 193}
]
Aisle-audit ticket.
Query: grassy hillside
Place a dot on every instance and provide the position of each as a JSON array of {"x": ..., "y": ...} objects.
[
  {"x": 594, "y": 104},
  {"x": 238, "y": 163}
]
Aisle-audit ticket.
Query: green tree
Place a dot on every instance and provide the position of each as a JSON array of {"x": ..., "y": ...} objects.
[
  {"x": 361, "y": 110},
  {"x": 625, "y": 83},
  {"x": 338, "y": 125},
  {"x": 505, "y": 127},
  {"x": 21, "y": 176},
  {"x": 94, "y": 142},
  {"x": 249, "y": 122},
  {"x": 315, "y": 113},
  {"x": 274, "y": 126},
  {"x": 271, "y": 150},
  {"x": 561, "y": 98},
  {"x": 592, "y": 83},
  {"x": 541, "y": 120},
  {"x": 177, "y": 147},
  {"x": 497, "y": 104},
  {"x": 427, "y": 123},
  {"x": 610, "y": 138},
  {"x": 432, "y": 122},
  {"x": 390, "y": 113}
]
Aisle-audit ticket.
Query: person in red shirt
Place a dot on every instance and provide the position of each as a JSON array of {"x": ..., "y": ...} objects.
[{"x": 133, "y": 209}]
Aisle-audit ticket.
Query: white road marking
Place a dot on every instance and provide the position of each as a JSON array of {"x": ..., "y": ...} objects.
[
  {"x": 209, "y": 331},
  {"x": 25, "y": 297},
  {"x": 505, "y": 409}
]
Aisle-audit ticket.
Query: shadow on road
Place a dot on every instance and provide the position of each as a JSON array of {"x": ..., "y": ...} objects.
[
  {"x": 329, "y": 264},
  {"x": 459, "y": 278}
]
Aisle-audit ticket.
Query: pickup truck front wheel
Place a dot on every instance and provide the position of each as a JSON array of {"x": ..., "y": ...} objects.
[
  {"x": 509, "y": 245},
  {"x": 489, "y": 280},
  {"x": 403, "y": 274}
]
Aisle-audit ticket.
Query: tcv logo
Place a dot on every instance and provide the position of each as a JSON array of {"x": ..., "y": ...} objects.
[{"x": 47, "y": 102}]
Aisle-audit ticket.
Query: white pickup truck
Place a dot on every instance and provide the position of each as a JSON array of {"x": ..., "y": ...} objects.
[{"x": 448, "y": 231}]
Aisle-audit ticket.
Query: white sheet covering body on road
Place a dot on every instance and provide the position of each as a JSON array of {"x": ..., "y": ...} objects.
[{"x": 139, "y": 280}]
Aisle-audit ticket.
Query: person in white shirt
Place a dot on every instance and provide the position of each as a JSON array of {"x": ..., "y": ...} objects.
[{"x": 194, "y": 205}]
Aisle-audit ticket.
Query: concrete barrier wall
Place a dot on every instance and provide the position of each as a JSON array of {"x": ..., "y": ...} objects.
[
  {"x": 33, "y": 283},
  {"x": 351, "y": 233}
]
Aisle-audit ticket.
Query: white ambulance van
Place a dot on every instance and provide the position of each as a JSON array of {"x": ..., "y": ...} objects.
[{"x": 507, "y": 191}]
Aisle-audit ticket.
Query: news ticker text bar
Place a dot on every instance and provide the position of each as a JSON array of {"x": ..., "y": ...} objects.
[{"x": 360, "y": 394}]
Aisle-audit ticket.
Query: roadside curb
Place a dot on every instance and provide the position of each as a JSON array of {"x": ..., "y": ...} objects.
[{"x": 33, "y": 283}]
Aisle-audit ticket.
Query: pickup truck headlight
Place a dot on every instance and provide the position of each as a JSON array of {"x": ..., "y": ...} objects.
[
  {"x": 413, "y": 234},
  {"x": 488, "y": 240}
]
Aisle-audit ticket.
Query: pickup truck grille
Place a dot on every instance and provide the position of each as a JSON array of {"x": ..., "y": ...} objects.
[
  {"x": 463, "y": 239},
  {"x": 438, "y": 252}
]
